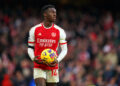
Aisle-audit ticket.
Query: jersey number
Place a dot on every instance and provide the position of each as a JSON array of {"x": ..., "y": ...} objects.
[{"x": 54, "y": 72}]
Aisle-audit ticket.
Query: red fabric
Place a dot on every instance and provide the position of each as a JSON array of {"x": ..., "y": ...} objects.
[
  {"x": 93, "y": 36},
  {"x": 31, "y": 42},
  {"x": 6, "y": 81},
  {"x": 45, "y": 38},
  {"x": 62, "y": 43},
  {"x": 6, "y": 19},
  {"x": 83, "y": 56},
  {"x": 108, "y": 24}
]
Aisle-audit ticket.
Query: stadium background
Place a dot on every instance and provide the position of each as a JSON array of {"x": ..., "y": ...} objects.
[{"x": 93, "y": 35}]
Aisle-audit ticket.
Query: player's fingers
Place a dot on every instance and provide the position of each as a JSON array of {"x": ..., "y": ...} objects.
[
  {"x": 53, "y": 64},
  {"x": 43, "y": 60},
  {"x": 48, "y": 64},
  {"x": 38, "y": 61},
  {"x": 37, "y": 56}
]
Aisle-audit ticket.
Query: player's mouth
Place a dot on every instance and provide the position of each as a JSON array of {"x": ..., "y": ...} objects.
[{"x": 54, "y": 18}]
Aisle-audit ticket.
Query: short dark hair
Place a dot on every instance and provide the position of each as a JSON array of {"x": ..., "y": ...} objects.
[{"x": 44, "y": 8}]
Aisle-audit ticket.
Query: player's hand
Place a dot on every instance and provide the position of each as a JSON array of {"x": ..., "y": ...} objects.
[
  {"x": 54, "y": 63},
  {"x": 38, "y": 61}
]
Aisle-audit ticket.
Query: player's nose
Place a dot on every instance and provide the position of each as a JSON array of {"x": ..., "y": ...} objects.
[{"x": 54, "y": 14}]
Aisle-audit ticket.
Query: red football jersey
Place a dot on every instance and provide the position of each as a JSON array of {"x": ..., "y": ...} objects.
[{"x": 42, "y": 38}]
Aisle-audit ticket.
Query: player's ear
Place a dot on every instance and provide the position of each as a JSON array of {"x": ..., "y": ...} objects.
[{"x": 44, "y": 14}]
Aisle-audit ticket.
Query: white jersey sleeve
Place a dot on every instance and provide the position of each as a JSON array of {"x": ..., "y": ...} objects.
[
  {"x": 63, "y": 44},
  {"x": 31, "y": 42},
  {"x": 62, "y": 37},
  {"x": 31, "y": 53},
  {"x": 31, "y": 39},
  {"x": 63, "y": 52}
]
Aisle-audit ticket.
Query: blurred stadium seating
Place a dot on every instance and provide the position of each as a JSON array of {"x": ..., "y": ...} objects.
[{"x": 93, "y": 35}]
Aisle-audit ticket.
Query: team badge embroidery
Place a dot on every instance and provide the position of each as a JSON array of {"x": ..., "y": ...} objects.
[
  {"x": 53, "y": 34},
  {"x": 39, "y": 34}
]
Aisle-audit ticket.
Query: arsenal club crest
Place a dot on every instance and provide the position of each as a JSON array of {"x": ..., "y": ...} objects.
[{"x": 53, "y": 34}]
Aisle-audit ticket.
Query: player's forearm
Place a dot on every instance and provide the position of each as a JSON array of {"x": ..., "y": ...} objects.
[
  {"x": 63, "y": 52},
  {"x": 31, "y": 53}
]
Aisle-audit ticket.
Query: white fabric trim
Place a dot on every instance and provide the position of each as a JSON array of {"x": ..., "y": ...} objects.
[
  {"x": 32, "y": 35},
  {"x": 31, "y": 44},
  {"x": 46, "y": 74},
  {"x": 62, "y": 40},
  {"x": 63, "y": 52},
  {"x": 31, "y": 53},
  {"x": 62, "y": 34}
]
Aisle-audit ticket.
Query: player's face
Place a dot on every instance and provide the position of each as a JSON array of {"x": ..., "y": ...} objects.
[{"x": 51, "y": 14}]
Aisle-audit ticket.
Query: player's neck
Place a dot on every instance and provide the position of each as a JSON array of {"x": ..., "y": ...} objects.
[{"x": 47, "y": 24}]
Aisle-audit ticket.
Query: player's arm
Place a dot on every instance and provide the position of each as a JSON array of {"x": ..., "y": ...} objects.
[
  {"x": 63, "y": 52},
  {"x": 63, "y": 45},
  {"x": 31, "y": 44}
]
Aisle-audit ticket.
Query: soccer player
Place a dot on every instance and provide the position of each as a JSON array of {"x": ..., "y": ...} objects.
[{"x": 42, "y": 36}]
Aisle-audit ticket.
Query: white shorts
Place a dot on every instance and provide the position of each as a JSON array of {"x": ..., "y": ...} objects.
[{"x": 51, "y": 76}]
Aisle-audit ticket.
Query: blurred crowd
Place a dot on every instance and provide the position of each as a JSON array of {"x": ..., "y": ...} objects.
[{"x": 93, "y": 37}]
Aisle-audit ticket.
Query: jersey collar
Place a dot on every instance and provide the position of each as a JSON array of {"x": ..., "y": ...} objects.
[{"x": 47, "y": 27}]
